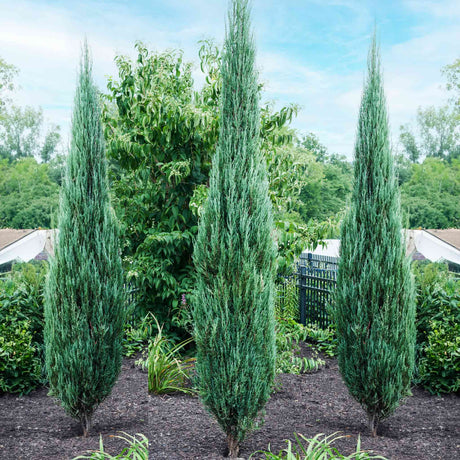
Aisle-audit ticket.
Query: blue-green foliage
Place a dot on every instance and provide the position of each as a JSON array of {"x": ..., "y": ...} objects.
[
  {"x": 84, "y": 295},
  {"x": 375, "y": 309},
  {"x": 235, "y": 252}
]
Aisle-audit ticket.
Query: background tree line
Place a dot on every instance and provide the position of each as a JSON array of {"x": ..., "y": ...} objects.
[{"x": 29, "y": 189}]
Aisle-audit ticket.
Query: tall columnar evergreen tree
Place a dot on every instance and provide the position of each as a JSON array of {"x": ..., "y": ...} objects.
[
  {"x": 235, "y": 253},
  {"x": 84, "y": 306},
  {"x": 374, "y": 309}
]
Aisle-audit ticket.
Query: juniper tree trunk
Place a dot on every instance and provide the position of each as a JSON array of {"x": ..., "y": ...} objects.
[
  {"x": 375, "y": 309},
  {"x": 84, "y": 300},
  {"x": 235, "y": 253}
]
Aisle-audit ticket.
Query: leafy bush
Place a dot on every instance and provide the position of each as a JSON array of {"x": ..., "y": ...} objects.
[
  {"x": 20, "y": 365},
  {"x": 288, "y": 334},
  {"x": 159, "y": 197},
  {"x": 324, "y": 340},
  {"x": 438, "y": 328},
  {"x": 28, "y": 193},
  {"x": 138, "y": 449},
  {"x": 317, "y": 448},
  {"x": 439, "y": 367},
  {"x": 21, "y": 328},
  {"x": 137, "y": 335}
]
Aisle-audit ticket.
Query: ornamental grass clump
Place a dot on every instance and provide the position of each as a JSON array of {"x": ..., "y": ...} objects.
[
  {"x": 235, "y": 252},
  {"x": 84, "y": 295},
  {"x": 167, "y": 373},
  {"x": 137, "y": 449},
  {"x": 375, "y": 309},
  {"x": 317, "y": 448}
]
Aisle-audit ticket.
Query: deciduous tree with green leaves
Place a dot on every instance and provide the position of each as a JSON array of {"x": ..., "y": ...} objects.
[
  {"x": 28, "y": 194},
  {"x": 431, "y": 195},
  {"x": 160, "y": 136},
  {"x": 235, "y": 252},
  {"x": 84, "y": 295},
  {"x": 159, "y": 140},
  {"x": 7, "y": 74},
  {"x": 21, "y": 128},
  {"x": 437, "y": 132},
  {"x": 374, "y": 309}
]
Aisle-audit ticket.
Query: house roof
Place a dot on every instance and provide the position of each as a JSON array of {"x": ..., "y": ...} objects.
[
  {"x": 434, "y": 245},
  {"x": 450, "y": 236},
  {"x": 10, "y": 235},
  {"x": 25, "y": 245}
]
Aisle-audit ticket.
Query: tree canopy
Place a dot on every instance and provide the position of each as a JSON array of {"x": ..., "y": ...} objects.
[
  {"x": 430, "y": 197},
  {"x": 437, "y": 132},
  {"x": 22, "y": 128},
  {"x": 28, "y": 194}
]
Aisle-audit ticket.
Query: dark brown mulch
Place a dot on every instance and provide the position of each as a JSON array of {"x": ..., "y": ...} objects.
[{"x": 33, "y": 427}]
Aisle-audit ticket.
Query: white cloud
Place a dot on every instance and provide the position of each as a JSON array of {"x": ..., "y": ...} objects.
[
  {"x": 44, "y": 42},
  {"x": 443, "y": 9}
]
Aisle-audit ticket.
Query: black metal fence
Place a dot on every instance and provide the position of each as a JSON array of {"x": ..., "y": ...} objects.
[
  {"x": 317, "y": 278},
  {"x": 306, "y": 294}
]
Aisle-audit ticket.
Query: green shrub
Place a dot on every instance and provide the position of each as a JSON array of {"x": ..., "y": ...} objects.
[
  {"x": 437, "y": 296},
  {"x": 324, "y": 340},
  {"x": 20, "y": 365},
  {"x": 21, "y": 328},
  {"x": 32, "y": 274},
  {"x": 317, "y": 448},
  {"x": 137, "y": 335},
  {"x": 288, "y": 334},
  {"x": 439, "y": 366},
  {"x": 24, "y": 303},
  {"x": 438, "y": 328},
  {"x": 138, "y": 449}
]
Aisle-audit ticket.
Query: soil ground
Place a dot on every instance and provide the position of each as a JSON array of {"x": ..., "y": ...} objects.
[{"x": 34, "y": 427}]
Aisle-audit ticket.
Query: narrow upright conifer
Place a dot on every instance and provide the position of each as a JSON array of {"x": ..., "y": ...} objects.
[
  {"x": 374, "y": 309},
  {"x": 235, "y": 253},
  {"x": 84, "y": 307}
]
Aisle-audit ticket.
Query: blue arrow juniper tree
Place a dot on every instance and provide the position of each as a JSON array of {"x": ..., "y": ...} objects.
[
  {"x": 235, "y": 252},
  {"x": 374, "y": 310},
  {"x": 84, "y": 308}
]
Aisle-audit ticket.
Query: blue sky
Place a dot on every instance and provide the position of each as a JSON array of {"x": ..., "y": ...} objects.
[{"x": 311, "y": 52}]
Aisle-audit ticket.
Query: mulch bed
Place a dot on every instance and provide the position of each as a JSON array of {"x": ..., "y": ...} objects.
[{"x": 34, "y": 427}]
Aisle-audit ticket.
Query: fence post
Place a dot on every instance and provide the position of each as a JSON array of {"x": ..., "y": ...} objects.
[{"x": 301, "y": 280}]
